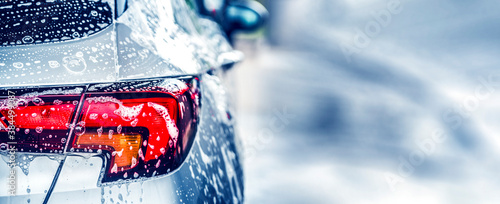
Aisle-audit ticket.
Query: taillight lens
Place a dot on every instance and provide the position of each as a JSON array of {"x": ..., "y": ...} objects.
[
  {"x": 131, "y": 129},
  {"x": 140, "y": 129},
  {"x": 40, "y": 118}
]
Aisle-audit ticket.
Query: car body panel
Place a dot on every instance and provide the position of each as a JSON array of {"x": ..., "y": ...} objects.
[{"x": 148, "y": 40}]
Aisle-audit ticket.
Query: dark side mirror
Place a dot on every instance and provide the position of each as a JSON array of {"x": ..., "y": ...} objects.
[{"x": 245, "y": 16}]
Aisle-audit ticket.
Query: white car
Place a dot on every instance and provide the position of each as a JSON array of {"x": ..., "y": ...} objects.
[{"x": 119, "y": 101}]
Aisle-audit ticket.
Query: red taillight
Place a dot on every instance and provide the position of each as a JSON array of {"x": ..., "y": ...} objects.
[
  {"x": 140, "y": 129},
  {"x": 41, "y": 122},
  {"x": 113, "y": 122},
  {"x": 43, "y": 112}
]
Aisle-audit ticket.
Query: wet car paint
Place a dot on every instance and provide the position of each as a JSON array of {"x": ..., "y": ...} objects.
[
  {"x": 125, "y": 50},
  {"x": 148, "y": 40}
]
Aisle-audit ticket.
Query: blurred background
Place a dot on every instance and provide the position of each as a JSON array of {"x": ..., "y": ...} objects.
[{"x": 371, "y": 101}]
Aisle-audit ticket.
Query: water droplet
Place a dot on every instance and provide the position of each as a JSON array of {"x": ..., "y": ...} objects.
[
  {"x": 114, "y": 169},
  {"x": 21, "y": 104},
  {"x": 110, "y": 134},
  {"x": 134, "y": 123},
  {"x": 134, "y": 162},
  {"x": 158, "y": 163},
  {"x": 18, "y": 65},
  {"x": 54, "y": 64},
  {"x": 93, "y": 116},
  {"x": 80, "y": 128},
  {"x": 57, "y": 102},
  {"x": 119, "y": 129},
  {"x": 38, "y": 101},
  {"x": 99, "y": 131},
  {"x": 74, "y": 63},
  {"x": 28, "y": 39},
  {"x": 79, "y": 54}
]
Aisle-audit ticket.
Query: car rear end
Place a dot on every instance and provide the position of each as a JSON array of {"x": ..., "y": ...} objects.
[{"x": 92, "y": 110}]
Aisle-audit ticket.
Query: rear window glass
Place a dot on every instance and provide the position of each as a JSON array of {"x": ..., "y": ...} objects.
[{"x": 41, "y": 21}]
